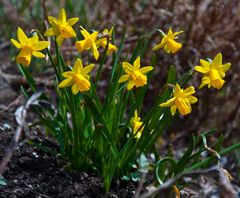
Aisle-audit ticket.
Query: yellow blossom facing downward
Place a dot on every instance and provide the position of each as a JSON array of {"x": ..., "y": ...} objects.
[
  {"x": 136, "y": 123},
  {"x": 181, "y": 100},
  {"x": 103, "y": 41},
  {"x": 134, "y": 74},
  {"x": 168, "y": 42},
  {"x": 78, "y": 78},
  {"x": 28, "y": 47},
  {"x": 89, "y": 42},
  {"x": 213, "y": 72},
  {"x": 61, "y": 27}
]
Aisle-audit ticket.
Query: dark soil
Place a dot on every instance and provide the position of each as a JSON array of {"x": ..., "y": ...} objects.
[{"x": 35, "y": 173}]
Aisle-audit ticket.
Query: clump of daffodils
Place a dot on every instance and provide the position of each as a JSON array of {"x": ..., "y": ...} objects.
[{"x": 94, "y": 132}]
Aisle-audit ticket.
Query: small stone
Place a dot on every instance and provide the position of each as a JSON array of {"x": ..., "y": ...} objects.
[{"x": 7, "y": 126}]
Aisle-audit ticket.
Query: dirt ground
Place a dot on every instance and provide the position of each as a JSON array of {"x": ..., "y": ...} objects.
[{"x": 35, "y": 172}]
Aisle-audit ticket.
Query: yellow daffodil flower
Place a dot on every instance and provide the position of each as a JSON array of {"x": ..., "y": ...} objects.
[
  {"x": 78, "y": 78},
  {"x": 134, "y": 74},
  {"x": 28, "y": 47},
  {"x": 103, "y": 41},
  {"x": 168, "y": 42},
  {"x": 61, "y": 27},
  {"x": 136, "y": 123},
  {"x": 181, "y": 100},
  {"x": 213, "y": 72},
  {"x": 89, "y": 42}
]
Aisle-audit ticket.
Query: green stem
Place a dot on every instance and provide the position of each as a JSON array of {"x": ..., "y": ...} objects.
[
  {"x": 52, "y": 63},
  {"x": 221, "y": 153}
]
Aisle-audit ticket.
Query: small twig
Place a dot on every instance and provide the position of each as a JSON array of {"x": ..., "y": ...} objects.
[
  {"x": 10, "y": 150},
  {"x": 224, "y": 183},
  {"x": 21, "y": 114}
]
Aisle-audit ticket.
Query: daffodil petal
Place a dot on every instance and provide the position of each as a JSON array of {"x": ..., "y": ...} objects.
[
  {"x": 62, "y": 15},
  {"x": 217, "y": 60},
  {"x": 33, "y": 39},
  {"x": 38, "y": 54},
  {"x": 225, "y": 67},
  {"x": 67, "y": 32},
  {"x": 167, "y": 49},
  {"x": 59, "y": 40},
  {"x": 177, "y": 33},
  {"x": 189, "y": 91},
  {"x": 170, "y": 32},
  {"x": 88, "y": 68},
  {"x": 160, "y": 45},
  {"x": 173, "y": 109},
  {"x": 111, "y": 48},
  {"x": 173, "y": 45},
  {"x": 16, "y": 44},
  {"x": 23, "y": 39},
  {"x": 40, "y": 45},
  {"x": 130, "y": 85},
  {"x": 84, "y": 32},
  {"x": 205, "y": 81},
  {"x": 146, "y": 69},
  {"x": 127, "y": 67},
  {"x": 136, "y": 64},
  {"x": 52, "y": 21},
  {"x": 75, "y": 89},
  {"x": 201, "y": 69},
  {"x": 72, "y": 21},
  {"x": 78, "y": 67},
  {"x": 192, "y": 99},
  {"x": 49, "y": 32},
  {"x": 66, "y": 83},
  {"x": 95, "y": 51},
  {"x": 169, "y": 103},
  {"x": 68, "y": 74},
  {"x": 205, "y": 64},
  {"x": 79, "y": 45},
  {"x": 94, "y": 35},
  {"x": 177, "y": 89},
  {"x": 123, "y": 78}
]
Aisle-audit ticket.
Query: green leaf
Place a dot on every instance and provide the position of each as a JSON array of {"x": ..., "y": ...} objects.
[
  {"x": 161, "y": 166},
  {"x": 2, "y": 181},
  {"x": 27, "y": 76},
  {"x": 172, "y": 75}
]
